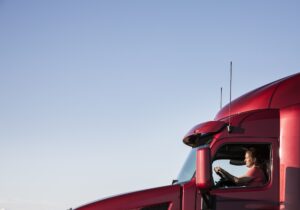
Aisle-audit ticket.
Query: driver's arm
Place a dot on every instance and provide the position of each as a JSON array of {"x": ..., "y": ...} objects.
[
  {"x": 243, "y": 180},
  {"x": 237, "y": 180}
]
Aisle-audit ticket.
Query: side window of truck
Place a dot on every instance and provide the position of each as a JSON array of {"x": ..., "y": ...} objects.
[{"x": 231, "y": 169}]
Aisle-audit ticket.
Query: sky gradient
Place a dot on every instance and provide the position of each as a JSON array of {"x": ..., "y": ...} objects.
[{"x": 97, "y": 95}]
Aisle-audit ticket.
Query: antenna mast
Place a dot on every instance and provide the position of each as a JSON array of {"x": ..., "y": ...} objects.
[
  {"x": 221, "y": 98},
  {"x": 229, "y": 127}
]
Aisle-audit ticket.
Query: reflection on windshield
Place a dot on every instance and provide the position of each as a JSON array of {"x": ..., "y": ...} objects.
[{"x": 188, "y": 170}]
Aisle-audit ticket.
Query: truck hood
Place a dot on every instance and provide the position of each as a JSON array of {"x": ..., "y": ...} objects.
[{"x": 162, "y": 196}]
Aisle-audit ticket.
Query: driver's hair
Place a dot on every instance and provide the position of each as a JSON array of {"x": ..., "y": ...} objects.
[{"x": 255, "y": 156}]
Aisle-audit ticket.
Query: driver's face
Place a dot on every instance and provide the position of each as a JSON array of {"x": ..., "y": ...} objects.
[{"x": 249, "y": 160}]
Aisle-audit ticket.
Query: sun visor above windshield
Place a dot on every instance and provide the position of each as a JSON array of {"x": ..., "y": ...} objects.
[{"x": 198, "y": 135}]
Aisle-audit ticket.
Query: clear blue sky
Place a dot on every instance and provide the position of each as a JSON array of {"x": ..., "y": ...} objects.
[{"x": 97, "y": 95}]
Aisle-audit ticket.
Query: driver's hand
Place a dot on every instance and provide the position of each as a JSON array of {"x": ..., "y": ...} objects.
[{"x": 217, "y": 169}]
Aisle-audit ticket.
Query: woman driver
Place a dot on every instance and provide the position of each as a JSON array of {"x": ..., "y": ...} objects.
[{"x": 253, "y": 177}]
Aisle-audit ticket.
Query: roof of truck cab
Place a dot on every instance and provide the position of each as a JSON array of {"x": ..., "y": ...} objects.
[{"x": 279, "y": 94}]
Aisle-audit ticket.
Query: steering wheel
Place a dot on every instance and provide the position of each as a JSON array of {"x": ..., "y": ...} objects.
[
  {"x": 224, "y": 181},
  {"x": 221, "y": 175}
]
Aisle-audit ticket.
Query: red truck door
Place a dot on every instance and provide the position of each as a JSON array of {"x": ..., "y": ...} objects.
[{"x": 243, "y": 197}]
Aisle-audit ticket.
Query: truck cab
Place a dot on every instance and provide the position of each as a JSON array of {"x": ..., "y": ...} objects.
[{"x": 225, "y": 144}]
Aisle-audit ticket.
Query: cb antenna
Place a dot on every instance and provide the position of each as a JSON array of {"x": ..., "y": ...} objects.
[
  {"x": 221, "y": 98},
  {"x": 230, "y": 90}
]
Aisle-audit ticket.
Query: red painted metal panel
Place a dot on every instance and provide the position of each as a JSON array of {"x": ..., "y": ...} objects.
[
  {"x": 290, "y": 157},
  {"x": 203, "y": 169},
  {"x": 189, "y": 195},
  {"x": 256, "y": 99},
  {"x": 204, "y": 128},
  {"x": 138, "y": 200},
  {"x": 278, "y": 94},
  {"x": 257, "y": 123},
  {"x": 288, "y": 93}
]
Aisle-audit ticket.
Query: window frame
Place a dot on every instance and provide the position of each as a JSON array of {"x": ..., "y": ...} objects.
[{"x": 273, "y": 144}]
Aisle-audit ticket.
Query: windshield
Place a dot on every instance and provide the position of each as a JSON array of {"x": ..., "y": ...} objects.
[{"x": 189, "y": 167}]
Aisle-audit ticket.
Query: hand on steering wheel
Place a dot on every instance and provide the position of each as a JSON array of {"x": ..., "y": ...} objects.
[
  {"x": 218, "y": 171},
  {"x": 224, "y": 181}
]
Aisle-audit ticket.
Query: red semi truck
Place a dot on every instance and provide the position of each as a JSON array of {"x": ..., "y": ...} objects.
[{"x": 268, "y": 119}]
